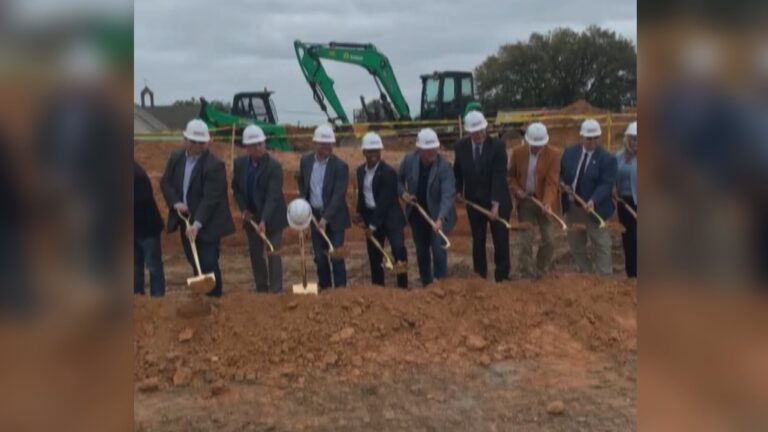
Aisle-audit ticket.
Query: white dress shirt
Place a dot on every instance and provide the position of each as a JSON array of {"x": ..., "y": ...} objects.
[
  {"x": 316, "y": 183},
  {"x": 588, "y": 155},
  {"x": 370, "y": 203},
  {"x": 530, "y": 181}
]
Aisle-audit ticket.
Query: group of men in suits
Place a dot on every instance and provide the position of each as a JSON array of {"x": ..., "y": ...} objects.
[{"x": 194, "y": 187}]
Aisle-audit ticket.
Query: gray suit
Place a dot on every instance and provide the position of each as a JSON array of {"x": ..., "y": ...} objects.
[
  {"x": 266, "y": 204},
  {"x": 335, "y": 183},
  {"x": 441, "y": 191},
  {"x": 431, "y": 258},
  {"x": 206, "y": 198}
]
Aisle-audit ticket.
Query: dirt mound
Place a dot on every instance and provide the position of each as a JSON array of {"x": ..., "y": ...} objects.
[{"x": 359, "y": 332}]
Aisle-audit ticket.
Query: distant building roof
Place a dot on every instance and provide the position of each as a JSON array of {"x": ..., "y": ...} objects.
[{"x": 172, "y": 117}]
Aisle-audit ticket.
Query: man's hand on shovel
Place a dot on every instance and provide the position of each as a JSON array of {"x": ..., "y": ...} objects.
[
  {"x": 438, "y": 225},
  {"x": 192, "y": 231}
]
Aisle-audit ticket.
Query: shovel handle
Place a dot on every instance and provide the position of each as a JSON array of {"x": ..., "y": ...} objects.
[
  {"x": 485, "y": 211},
  {"x": 322, "y": 233},
  {"x": 263, "y": 237},
  {"x": 191, "y": 244},
  {"x": 583, "y": 204},
  {"x": 627, "y": 206},
  {"x": 387, "y": 260},
  {"x": 548, "y": 211},
  {"x": 426, "y": 216}
]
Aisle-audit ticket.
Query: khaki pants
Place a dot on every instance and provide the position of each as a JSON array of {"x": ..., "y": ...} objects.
[
  {"x": 528, "y": 211},
  {"x": 600, "y": 239}
]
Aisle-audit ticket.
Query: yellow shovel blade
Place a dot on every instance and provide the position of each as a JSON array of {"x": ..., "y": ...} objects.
[{"x": 311, "y": 288}]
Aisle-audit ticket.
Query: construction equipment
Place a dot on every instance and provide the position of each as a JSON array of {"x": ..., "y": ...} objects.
[
  {"x": 247, "y": 108},
  {"x": 429, "y": 220},
  {"x": 203, "y": 283},
  {"x": 444, "y": 95},
  {"x": 271, "y": 251},
  {"x": 367, "y": 56},
  {"x": 495, "y": 218}
]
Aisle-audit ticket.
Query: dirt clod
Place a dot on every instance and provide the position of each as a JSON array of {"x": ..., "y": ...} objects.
[
  {"x": 556, "y": 408},
  {"x": 186, "y": 335}
]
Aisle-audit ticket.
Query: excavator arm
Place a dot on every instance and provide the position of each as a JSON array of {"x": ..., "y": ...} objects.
[{"x": 364, "y": 55}]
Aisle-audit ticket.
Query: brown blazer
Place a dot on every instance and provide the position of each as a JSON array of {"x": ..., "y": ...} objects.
[{"x": 547, "y": 173}]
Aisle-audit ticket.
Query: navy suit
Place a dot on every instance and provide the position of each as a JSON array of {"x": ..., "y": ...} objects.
[{"x": 595, "y": 184}]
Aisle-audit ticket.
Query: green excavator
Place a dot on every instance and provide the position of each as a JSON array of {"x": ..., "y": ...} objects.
[
  {"x": 445, "y": 95},
  {"x": 247, "y": 108}
]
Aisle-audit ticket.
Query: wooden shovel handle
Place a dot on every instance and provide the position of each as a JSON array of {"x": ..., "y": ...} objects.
[
  {"x": 263, "y": 237},
  {"x": 428, "y": 218},
  {"x": 322, "y": 233},
  {"x": 388, "y": 261},
  {"x": 584, "y": 205},
  {"x": 548, "y": 211},
  {"x": 627, "y": 206},
  {"x": 192, "y": 244},
  {"x": 485, "y": 211}
]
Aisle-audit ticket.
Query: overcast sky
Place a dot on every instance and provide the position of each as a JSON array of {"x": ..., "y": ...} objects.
[{"x": 186, "y": 48}]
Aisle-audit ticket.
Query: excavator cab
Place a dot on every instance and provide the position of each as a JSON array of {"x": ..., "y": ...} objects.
[
  {"x": 256, "y": 106},
  {"x": 445, "y": 95}
]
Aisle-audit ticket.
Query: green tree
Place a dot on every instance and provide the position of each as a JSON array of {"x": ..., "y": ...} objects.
[
  {"x": 219, "y": 105},
  {"x": 557, "y": 68}
]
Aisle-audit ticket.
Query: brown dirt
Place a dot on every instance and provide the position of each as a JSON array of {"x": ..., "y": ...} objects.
[{"x": 465, "y": 354}]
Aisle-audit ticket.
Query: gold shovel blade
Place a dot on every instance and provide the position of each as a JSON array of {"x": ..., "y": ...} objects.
[
  {"x": 201, "y": 284},
  {"x": 311, "y": 288}
]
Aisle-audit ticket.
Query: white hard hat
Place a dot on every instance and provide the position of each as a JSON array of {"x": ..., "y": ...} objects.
[
  {"x": 590, "y": 129},
  {"x": 372, "y": 141},
  {"x": 197, "y": 131},
  {"x": 324, "y": 134},
  {"x": 536, "y": 134},
  {"x": 299, "y": 214},
  {"x": 253, "y": 135},
  {"x": 475, "y": 121},
  {"x": 631, "y": 129},
  {"x": 427, "y": 139}
]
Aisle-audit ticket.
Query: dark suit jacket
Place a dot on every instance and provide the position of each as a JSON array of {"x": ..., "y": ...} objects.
[
  {"x": 388, "y": 212},
  {"x": 267, "y": 192},
  {"x": 207, "y": 198},
  {"x": 146, "y": 216},
  {"x": 441, "y": 187},
  {"x": 598, "y": 180},
  {"x": 335, "y": 183},
  {"x": 488, "y": 183}
]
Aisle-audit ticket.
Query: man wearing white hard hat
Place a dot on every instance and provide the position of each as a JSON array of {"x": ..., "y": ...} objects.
[
  {"x": 427, "y": 177},
  {"x": 195, "y": 184},
  {"x": 533, "y": 173},
  {"x": 257, "y": 185},
  {"x": 480, "y": 167},
  {"x": 379, "y": 208},
  {"x": 323, "y": 179},
  {"x": 589, "y": 171},
  {"x": 626, "y": 190}
]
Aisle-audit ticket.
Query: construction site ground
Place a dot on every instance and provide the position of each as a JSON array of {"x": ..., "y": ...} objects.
[{"x": 556, "y": 354}]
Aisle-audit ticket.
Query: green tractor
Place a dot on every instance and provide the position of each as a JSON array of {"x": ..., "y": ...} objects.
[
  {"x": 247, "y": 108},
  {"x": 447, "y": 95}
]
